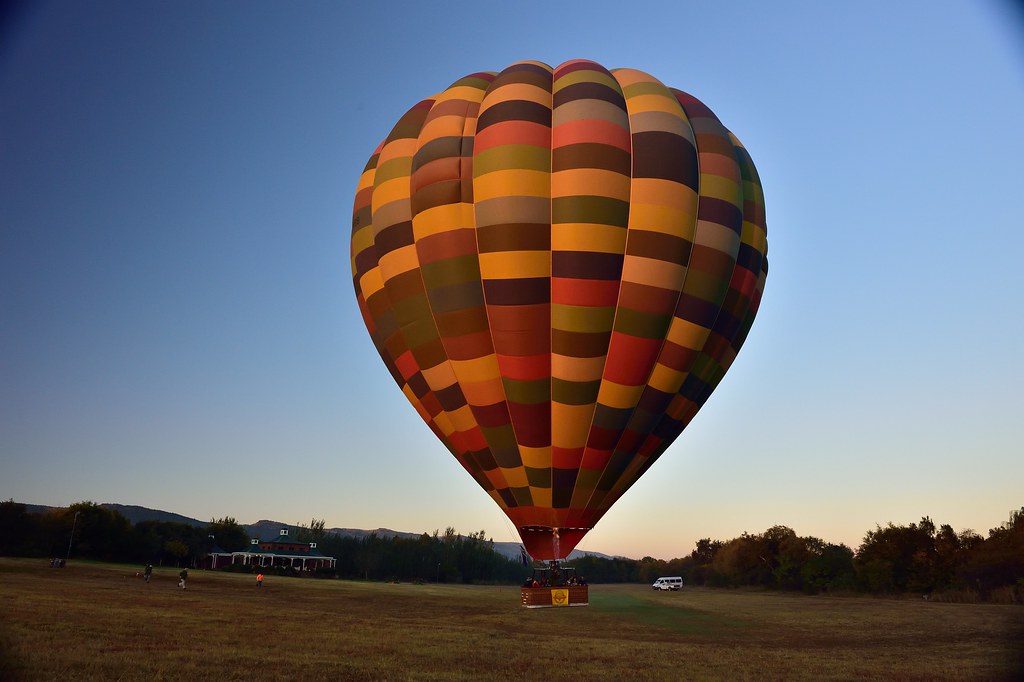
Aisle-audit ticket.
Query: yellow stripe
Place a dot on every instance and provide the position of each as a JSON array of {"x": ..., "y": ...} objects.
[
  {"x": 477, "y": 369},
  {"x": 666, "y": 193},
  {"x": 719, "y": 187},
  {"x": 398, "y": 261},
  {"x": 366, "y": 179},
  {"x": 403, "y": 147},
  {"x": 588, "y": 237},
  {"x": 535, "y": 458},
  {"x": 619, "y": 396},
  {"x": 514, "y": 182},
  {"x": 590, "y": 182},
  {"x": 515, "y": 477},
  {"x": 687, "y": 334},
  {"x": 515, "y": 264},
  {"x": 442, "y": 219},
  {"x": 444, "y": 423},
  {"x": 463, "y": 418},
  {"x": 570, "y": 424},
  {"x": 451, "y": 125},
  {"x": 362, "y": 239},
  {"x": 467, "y": 93},
  {"x": 515, "y": 91},
  {"x": 482, "y": 393},
  {"x": 392, "y": 190},
  {"x": 371, "y": 282},
  {"x": 666, "y": 379},
  {"x": 663, "y": 219},
  {"x": 627, "y": 77},
  {"x": 645, "y": 103},
  {"x": 541, "y": 496}
]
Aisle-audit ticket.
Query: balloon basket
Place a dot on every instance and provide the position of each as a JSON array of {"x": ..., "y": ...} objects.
[{"x": 554, "y": 586}]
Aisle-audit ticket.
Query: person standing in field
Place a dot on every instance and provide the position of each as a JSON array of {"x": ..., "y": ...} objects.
[
  {"x": 259, "y": 580},
  {"x": 184, "y": 578},
  {"x": 148, "y": 572}
]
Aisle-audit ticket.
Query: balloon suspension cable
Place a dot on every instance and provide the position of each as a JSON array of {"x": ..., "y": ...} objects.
[{"x": 556, "y": 546}]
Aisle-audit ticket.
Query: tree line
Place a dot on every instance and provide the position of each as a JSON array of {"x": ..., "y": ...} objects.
[
  {"x": 915, "y": 558},
  {"x": 88, "y": 530},
  {"x": 919, "y": 558}
]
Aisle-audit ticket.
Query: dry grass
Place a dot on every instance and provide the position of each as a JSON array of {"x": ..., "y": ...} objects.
[{"x": 99, "y": 621}]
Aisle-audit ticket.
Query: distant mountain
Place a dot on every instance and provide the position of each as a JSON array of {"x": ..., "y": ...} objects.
[
  {"x": 137, "y": 514},
  {"x": 267, "y": 529},
  {"x": 134, "y": 513}
]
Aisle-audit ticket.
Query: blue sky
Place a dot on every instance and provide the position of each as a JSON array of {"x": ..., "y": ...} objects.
[{"x": 177, "y": 323}]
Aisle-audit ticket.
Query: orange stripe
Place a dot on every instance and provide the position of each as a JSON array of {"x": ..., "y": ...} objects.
[
  {"x": 525, "y": 367},
  {"x": 590, "y": 130},
  {"x": 512, "y": 132}
]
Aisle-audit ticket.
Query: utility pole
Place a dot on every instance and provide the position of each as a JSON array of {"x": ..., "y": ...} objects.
[{"x": 72, "y": 538}]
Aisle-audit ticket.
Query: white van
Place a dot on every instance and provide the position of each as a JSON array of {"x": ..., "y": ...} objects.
[{"x": 673, "y": 583}]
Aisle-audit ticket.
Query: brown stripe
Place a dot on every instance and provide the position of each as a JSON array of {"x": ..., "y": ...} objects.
[
  {"x": 514, "y": 237},
  {"x": 588, "y": 90},
  {"x": 658, "y": 246},
  {"x": 580, "y": 344},
  {"x": 469, "y": 320},
  {"x": 441, "y": 148},
  {"x": 645, "y": 298},
  {"x": 586, "y": 265},
  {"x": 431, "y": 353},
  {"x": 454, "y": 298},
  {"x": 517, "y": 291},
  {"x": 721, "y": 212},
  {"x": 515, "y": 110},
  {"x": 451, "y": 398},
  {"x": 437, "y": 194},
  {"x": 666, "y": 156},
  {"x": 394, "y": 237},
  {"x": 590, "y": 155}
]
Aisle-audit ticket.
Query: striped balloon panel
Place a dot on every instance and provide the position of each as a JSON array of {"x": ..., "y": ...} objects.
[
  {"x": 415, "y": 345},
  {"x": 712, "y": 260},
  {"x": 590, "y": 192},
  {"x": 512, "y": 206},
  {"x": 378, "y": 313},
  {"x": 379, "y": 319},
  {"x": 467, "y": 382},
  {"x": 661, "y": 223},
  {"x": 730, "y": 331},
  {"x": 390, "y": 235}
]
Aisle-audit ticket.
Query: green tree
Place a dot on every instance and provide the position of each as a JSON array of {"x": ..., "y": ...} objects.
[
  {"x": 829, "y": 567},
  {"x": 100, "y": 533},
  {"x": 898, "y": 558},
  {"x": 998, "y": 561},
  {"x": 176, "y": 550},
  {"x": 227, "y": 534},
  {"x": 20, "y": 530},
  {"x": 314, "y": 532}
]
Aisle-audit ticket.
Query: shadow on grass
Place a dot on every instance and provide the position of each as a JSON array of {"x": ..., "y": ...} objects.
[{"x": 669, "y": 617}]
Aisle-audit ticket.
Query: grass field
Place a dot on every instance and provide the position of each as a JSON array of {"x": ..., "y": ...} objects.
[{"x": 100, "y": 621}]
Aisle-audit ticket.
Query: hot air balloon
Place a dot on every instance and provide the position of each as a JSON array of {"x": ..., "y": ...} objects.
[{"x": 558, "y": 266}]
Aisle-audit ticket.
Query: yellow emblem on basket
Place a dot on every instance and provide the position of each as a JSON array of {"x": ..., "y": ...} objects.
[{"x": 560, "y": 597}]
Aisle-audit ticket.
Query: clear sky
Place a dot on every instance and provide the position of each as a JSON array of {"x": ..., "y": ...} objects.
[{"x": 178, "y": 328}]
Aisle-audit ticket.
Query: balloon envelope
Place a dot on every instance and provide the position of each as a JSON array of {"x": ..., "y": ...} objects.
[{"x": 558, "y": 266}]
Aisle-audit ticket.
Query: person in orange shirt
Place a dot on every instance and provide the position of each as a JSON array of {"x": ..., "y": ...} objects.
[{"x": 259, "y": 580}]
